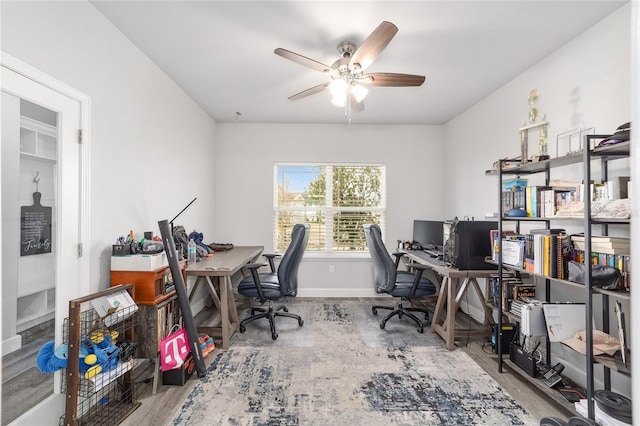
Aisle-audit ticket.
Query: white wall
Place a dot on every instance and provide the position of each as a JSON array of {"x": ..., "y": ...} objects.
[
  {"x": 583, "y": 84},
  {"x": 151, "y": 146},
  {"x": 586, "y": 83},
  {"x": 245, "y": 155}
]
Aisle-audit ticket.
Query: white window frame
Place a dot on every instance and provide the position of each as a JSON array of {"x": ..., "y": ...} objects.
[{"x": 328, "y": 209}]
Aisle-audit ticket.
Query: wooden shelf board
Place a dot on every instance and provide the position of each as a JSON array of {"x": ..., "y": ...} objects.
[{"x": 552, "y": 394}]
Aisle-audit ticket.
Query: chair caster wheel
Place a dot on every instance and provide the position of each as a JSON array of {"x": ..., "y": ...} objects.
[
  {"x": 382, "y": 324},
  {"x": 285, "y": 309},
  {"x": 420, "y": 330},
  {"x": 243, "y": 329},
  {"x": 300, "y": 323},
  {"x": 274, "y": 336},
  {"x": 375, "y": 311}
]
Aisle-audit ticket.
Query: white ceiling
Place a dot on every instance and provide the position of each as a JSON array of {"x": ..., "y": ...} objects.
[{"x": 221, "y": 52}]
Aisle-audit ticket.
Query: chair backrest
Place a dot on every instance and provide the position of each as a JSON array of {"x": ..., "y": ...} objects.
[
  {"x": 288, "y": 267},
  {"x": 384, "y": 269}
]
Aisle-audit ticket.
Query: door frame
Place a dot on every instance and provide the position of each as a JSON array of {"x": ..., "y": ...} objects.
[
  {"x": 46, "y": 80},
  {"x": 56, "y": 401}
]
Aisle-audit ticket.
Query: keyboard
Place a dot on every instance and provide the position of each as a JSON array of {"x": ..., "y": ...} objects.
[{"x": 433, "y": 253}]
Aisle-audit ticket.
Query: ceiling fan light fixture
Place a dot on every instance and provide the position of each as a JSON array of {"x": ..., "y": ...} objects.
[
  {"x": 359, "y": 92},
  {"x": 338, "y": 100},
  {"x": 338, "y": 87}
]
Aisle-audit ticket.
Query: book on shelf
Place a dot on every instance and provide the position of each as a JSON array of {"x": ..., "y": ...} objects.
[
  {"x": 546, "y": 252},
  {"x": 513, "y": 250},
  {"x": 604, "y": 244},
  {"x": 513, "y": 200},
  {"x": 545, "y": 200},
  {"x": 552, "y": 198},
  {"x": 620, "y": 261},
  {"x": 574, "y": 186}
]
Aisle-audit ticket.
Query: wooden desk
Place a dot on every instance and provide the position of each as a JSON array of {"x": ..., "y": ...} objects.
[
  {"x": 223, "y": 264},
  {"x": 447, "y": 278}
]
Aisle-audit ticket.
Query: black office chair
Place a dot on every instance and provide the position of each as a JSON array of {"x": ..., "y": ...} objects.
[
  {"x": 402, "y": 284},
  {"x": 275, "y": 285}
]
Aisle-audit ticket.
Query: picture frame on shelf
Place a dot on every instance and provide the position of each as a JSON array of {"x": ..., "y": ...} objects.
[{"x": 571, "y": 141}]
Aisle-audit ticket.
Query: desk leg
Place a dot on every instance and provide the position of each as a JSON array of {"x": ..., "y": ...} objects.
[
  {"x": 440, "y": 303},
  {"x": 224, "y": 314},
  {"x": 232, "y": 304},
  {"x": 447, "y": 329},
  {"x": 451, "y": 313}
]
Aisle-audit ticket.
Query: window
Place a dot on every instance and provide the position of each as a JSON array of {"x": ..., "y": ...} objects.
[{"x": 334, "y": 199}]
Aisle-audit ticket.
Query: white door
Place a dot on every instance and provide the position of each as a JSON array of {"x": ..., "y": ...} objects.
[{"x": 42, "y": 228}]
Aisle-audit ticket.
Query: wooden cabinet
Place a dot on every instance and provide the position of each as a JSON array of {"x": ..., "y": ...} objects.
[
  {"x": 154, "y": 324},
  {"x": 152, "y": 287}
]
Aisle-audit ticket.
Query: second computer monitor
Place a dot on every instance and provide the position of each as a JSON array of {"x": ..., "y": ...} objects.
[{"x": 428, "y": 233}]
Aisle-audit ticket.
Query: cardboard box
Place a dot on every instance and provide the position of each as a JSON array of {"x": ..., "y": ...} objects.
[
  {"x": 179, "y": 376},
  {"x": 139, "y": 262}
]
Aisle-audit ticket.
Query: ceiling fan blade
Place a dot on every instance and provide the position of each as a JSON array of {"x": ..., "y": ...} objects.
[
  {"x": 373, "y": 45},
  {"x": 392, "y": 79},
  {"x": 311, "y": 91},
  {"x": 355, "y": 105},
  {"x": 302, "y": 60}
]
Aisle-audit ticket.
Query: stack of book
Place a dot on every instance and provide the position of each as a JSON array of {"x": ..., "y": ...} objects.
[
  {"x": 513, "y": 290},
  {"x": 605, "y": 250},
  {"x": 544, "y": 201},
  {"x": 547, "y": 252}
]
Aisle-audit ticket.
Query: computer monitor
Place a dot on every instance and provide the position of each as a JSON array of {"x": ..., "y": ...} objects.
[{"x": 428, "y": 233}]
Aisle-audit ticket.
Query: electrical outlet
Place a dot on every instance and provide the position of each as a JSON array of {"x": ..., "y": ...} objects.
[
  {"x": 331, "y": 270},
  {"x": 491, "y": 214}
]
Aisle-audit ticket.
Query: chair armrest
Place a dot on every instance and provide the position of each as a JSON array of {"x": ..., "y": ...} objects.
[
  {"x": 416, "y": 280},
  {"x": 253, "y": 268},
  {"x": 398, "y": 257},
  {"x": 254, "y": 265},
  {"x": 270, "y": 257}
]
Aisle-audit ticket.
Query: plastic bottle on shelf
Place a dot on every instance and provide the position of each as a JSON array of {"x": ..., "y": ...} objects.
[{"x": 191, "y": 251}]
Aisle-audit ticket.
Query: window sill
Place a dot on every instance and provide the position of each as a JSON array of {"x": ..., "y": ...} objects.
[{"x": 337, "y": 257}]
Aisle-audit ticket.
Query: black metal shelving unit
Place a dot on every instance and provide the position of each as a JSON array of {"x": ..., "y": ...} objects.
[{"x": 605, "y": 154}]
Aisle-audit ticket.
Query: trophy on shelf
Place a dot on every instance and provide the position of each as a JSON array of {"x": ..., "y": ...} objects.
[{"x": 541, "y": 127}]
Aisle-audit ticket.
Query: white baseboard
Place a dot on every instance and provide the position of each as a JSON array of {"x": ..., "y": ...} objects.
[
  {"x": 11, "y": 344},
  {"x": 338, "y": 292}
]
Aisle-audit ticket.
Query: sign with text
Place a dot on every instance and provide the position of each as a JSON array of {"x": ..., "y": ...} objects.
[{"x": 35, "y": 228}]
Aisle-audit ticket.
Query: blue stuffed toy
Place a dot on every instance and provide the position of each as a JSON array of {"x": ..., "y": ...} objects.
[{"x": 97, "y": 354}]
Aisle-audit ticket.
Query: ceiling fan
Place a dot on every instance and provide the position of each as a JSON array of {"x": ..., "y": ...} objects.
[{"x": 349, "y": 84}]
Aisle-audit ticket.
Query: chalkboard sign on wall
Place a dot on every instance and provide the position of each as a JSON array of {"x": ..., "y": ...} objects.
[{"x": 35, "y": 228}]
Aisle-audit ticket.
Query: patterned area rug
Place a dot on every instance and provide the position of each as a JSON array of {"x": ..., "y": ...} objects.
[{"x": 340, "y": 368}]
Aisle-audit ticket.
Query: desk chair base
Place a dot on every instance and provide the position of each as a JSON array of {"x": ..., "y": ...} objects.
[
  {"x": 271, "y": 314},
  {"x": 400, "y": 310}
]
